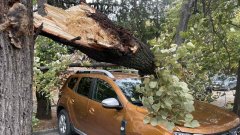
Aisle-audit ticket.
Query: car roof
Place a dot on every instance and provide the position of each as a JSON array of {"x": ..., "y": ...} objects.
[
  {"x": 120, "y": 75},
  {"x": 115, "y": 75}
]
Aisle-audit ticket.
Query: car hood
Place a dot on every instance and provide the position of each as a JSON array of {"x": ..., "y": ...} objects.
[{"x": 212, "y": 119}]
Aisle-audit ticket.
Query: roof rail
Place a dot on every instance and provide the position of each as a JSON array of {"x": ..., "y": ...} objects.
[
  {"x": 125, "y": 70},
  {"x": 107, "y": 73}
]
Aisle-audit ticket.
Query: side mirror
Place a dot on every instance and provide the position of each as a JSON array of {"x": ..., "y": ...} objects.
[{"x": 111, "y": 103}]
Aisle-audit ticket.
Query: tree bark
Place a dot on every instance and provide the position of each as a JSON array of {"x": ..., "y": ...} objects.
[
  {"x": 16, "y": 70},
  {"x": 43, "y": 106},
  {"x": 183, "y": 23},
  {"x": 236, "y": 107},
  {"x": 41, "y": 6}
]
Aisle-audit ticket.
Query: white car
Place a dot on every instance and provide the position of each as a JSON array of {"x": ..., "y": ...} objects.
[
  {"x": 229, "y": 83},
  {"x": 217, "y": 81}
]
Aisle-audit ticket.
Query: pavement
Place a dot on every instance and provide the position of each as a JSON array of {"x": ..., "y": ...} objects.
[{"x": 227, "y": 97}]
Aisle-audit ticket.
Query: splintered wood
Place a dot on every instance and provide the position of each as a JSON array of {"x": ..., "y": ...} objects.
[
  {"x": 91, "y": 32},
  {"x": 95, "y": 30}
]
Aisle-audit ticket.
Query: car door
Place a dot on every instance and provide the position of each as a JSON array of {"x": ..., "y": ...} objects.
[
  {"x": 103, "y": 121},
  {"x": 80, "y": 102}
]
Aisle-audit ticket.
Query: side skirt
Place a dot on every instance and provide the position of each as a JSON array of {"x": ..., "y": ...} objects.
[{"x": 79, "y": 131}]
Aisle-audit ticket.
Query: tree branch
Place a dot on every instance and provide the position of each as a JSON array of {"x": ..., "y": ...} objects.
[
  {"x": 183, "y": 23},
  {"x": 38, "y": 31}
]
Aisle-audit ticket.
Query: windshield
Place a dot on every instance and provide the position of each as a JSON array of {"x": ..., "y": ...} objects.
[{"x": 128, "y": 87}]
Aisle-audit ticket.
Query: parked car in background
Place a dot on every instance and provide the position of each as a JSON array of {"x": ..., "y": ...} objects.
[
  {"x": 229, "y": 84},
  {"x": 217, "y": 81},
  {"x": 99, "y": 102},
  {"x": 221, "y": 82}
]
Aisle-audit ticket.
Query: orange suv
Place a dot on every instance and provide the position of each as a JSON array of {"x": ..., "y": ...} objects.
[{"x": 99, "y": 102}]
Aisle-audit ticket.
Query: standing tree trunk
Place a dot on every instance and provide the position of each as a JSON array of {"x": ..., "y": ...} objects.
[
  {"x": 43, "y": 106},
  {"x": 236, "y": 107},
  {"x": 183, "y": 23},
  {"x": 16, "y": 62},
  {"x": 43, "y": 102}
]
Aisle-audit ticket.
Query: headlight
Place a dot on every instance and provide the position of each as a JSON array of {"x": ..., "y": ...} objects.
[
  {"x": 235, "y": 131},
  {"x": 180, "y": 133}
]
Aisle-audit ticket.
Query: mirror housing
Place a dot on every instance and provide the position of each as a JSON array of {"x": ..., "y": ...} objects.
[{"x": 111, "y": 103}]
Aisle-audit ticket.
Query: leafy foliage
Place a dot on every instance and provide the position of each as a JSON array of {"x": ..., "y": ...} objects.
[
  {"x": 211, "y": 46},
  {"x": 166, "y": 96},
  {"x": 53, "y": 56},
  {"x": 35, "y": 121}
]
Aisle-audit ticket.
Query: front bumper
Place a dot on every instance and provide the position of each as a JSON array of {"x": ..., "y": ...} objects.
[{"x": 234, "y": 131}]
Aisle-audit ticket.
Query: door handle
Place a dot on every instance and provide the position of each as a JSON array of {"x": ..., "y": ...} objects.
[
  {"x": 72, "y": 101},
  {"x": 91, "y": 110}
]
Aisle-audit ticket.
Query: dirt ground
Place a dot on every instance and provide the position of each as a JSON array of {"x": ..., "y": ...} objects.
[{"x": 46, "y": 124}]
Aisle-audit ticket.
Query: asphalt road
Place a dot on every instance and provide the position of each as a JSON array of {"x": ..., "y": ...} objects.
[{"x": 48, "y": 132}]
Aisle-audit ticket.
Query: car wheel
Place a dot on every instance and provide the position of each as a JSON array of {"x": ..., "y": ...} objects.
[{"x": 64, "y": 125}]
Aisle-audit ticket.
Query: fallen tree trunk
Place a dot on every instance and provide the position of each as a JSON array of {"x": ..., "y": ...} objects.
[{"x": 95, "y": 35}]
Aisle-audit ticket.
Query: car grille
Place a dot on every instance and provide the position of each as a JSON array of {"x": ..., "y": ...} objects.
[{"x": 235, "y": 131}]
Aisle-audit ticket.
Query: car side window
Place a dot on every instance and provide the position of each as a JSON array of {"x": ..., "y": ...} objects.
[
  {"x": 72, "y": 82},
  {"x": 103, "y": 91},
  {"x": 84, "y": 86}
]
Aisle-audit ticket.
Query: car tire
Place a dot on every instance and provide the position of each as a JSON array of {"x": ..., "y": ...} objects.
[{"x": 64, "y": 125}]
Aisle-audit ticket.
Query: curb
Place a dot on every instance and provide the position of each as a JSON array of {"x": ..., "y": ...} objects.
[{"x": 43, "y": 132}]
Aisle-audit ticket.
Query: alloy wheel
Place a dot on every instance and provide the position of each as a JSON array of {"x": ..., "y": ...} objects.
[{"x": 62, "y": 124}]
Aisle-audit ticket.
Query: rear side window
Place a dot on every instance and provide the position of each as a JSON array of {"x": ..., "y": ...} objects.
[
  {"x": 84, "y": 86},
  {"x": 103, "y": 91},
  {"x": 72, "y": 82}
]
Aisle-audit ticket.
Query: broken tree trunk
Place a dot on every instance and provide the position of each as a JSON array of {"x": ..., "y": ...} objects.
[{"x": 94, "y": 34}]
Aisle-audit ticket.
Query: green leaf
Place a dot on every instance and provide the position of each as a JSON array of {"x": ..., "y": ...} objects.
[
  {"x": 156, "y": 107},
  {"x": 146, "y": 120},
  {"x": 192, "y": 124},
  {"x": 188, "y": 107},
  {"x": 168, "y": 102},
  {"x": 187, "y": 124},
  {"x": 170, "y": 126},
  {"x": 153, "y": 84},
  {"x": 146, "y": 81},
  {"x": 188, "y": 117},
  {"x": 138, "y": 88},
  {"x": 159, "y": 93},
  {"x": 154, "y": 122},
  {"x": 195, "y": 124},
  {"x": 188, "y": 96},
  {"x": 150, "y": 100}
]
